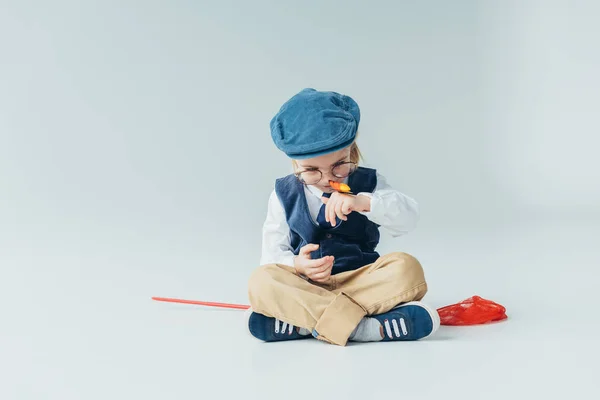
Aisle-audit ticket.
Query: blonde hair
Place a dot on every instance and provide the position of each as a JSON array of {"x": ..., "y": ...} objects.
[{"x": 355, "y": 155}]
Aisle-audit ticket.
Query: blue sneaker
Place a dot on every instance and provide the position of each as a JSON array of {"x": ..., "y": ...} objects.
[
  {"x": 410, "y": 321},
  {"x": 273, "y": 330}
]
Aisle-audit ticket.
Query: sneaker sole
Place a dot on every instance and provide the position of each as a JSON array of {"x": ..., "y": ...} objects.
[{"x": 435, "y": 317}]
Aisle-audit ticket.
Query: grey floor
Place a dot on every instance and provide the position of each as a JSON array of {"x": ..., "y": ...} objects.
[
  {"x": 123, "y": 123},
  {"x": 75, "y": 332}
]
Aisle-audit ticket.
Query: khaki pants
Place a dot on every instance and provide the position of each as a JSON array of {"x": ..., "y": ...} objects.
[{"x": 333, "y": 310}]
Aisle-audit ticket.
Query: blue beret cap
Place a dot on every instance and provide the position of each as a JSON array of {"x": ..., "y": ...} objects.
[{"x": 314, "y": 123}]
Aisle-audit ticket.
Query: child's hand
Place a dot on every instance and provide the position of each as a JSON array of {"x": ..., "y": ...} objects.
[
  {"x": 342, "y": 204},
  {"x": 318, "y": 270}
]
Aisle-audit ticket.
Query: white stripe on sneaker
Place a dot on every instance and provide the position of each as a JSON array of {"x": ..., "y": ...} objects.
[
  {"x": 403, "y": 326},
  {"x": 396, "y": 330},
  {"x": 388, "y": 330},
  {"x": 284, "y": 327}
]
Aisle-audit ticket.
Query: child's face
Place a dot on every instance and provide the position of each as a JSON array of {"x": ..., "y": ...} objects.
[{"x": 318, "y": 171}]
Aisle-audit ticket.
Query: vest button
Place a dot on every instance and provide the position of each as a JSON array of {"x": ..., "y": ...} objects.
[{"x": 328, "y": 236}]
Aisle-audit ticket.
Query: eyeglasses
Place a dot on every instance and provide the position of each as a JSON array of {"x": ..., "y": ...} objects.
[{"x": 313, "y": 176}]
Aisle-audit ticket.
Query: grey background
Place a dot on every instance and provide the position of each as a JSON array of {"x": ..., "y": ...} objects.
[{"x": 123, "y": 125}]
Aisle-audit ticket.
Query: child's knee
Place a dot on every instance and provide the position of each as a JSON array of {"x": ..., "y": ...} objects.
[
  {"x": 260, "y": 279},
  {"x": 407, "y": 269},
  {"x": 405, "y": 259}
]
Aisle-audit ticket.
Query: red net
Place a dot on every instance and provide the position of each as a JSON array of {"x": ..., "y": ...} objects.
[{"x": 472, "y": 311}]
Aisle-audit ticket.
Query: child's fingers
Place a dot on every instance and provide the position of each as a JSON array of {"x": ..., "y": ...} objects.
[
  {"x": 338, "y": 211},
  {"x": 320, "y": 262},
  {"x": 312, "y": 264},
  {"x": 323, "y": 276},
  {"x": 330, "y": 208},
  {"x": 307, "y": 249},
  {"x": 331, "y": 214},
  {"x": 346, "y": 208},
  {"x": 323, "y": 267}
]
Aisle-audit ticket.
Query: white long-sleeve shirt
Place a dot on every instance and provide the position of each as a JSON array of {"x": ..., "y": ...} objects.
[{"x": 396, "y": 213}]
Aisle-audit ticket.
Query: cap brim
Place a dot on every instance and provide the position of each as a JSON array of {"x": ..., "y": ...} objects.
[{"x": 303, "y": 156}]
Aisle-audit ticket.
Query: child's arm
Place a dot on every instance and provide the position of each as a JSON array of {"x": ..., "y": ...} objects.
[
  {"x": 276, "y": 248},
  {"x": 393, "y": 211}
]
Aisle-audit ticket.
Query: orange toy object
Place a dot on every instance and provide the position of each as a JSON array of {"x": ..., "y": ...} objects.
[
  {"x": 472, "y": 311},
  {"x": 340, "y": 187}
]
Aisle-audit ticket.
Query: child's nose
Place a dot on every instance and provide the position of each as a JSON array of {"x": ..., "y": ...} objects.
[{"x": 327, "y": 176}]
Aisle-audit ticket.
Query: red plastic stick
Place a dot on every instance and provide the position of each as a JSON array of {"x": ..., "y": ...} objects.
[
  {"x": 202, "y": 303},
  {"x": 472, "y": 311}
]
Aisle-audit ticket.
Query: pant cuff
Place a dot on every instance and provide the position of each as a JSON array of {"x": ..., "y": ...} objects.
[{"x": 338, "y": 320}]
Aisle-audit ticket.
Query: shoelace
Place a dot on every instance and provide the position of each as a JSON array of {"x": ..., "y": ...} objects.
[
  {"x": 289, "y": 327},
  {"x": 388, "y": 328}
]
